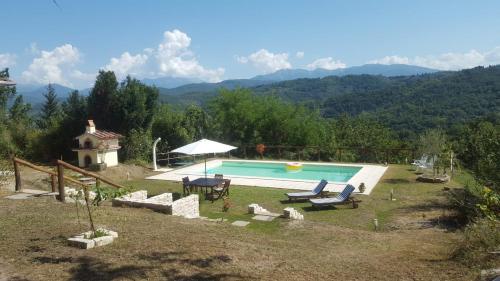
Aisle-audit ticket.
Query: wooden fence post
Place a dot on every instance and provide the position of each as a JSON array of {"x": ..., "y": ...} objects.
[
  {"x": 60, "y": 179},
  {"x": 53, "y": 182},
  {"x": 17, "y": 174}
]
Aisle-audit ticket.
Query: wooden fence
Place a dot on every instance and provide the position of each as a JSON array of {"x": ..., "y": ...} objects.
[{"x": 58, "y": 178}]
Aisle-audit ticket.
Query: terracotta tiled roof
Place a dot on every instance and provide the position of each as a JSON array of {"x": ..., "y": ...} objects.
[{"x": 105, "y": 135}]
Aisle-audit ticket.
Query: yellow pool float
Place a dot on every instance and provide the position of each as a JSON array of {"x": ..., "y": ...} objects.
[{"x": 293, "y": 166}]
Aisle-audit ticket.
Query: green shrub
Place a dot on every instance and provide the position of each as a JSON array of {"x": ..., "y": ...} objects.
[{"x": 480, "y": 239}]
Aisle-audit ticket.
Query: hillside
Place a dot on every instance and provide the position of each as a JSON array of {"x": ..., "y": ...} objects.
[
  {"x": 370, "y": 69},
  {"x": 408, "y": 104},
  {"x": 200, "y": 92},
  {"x": 405, "y": 103},
  {"x": 34, "y": 95}
]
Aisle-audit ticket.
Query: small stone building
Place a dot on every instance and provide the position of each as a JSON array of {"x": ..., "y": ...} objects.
[{"x": 97, "y": 147}]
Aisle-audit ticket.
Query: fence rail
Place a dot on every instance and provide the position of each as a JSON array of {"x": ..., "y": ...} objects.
[
  {"x": 314, "y": 153},
  {"x": 59, "y": 175}
]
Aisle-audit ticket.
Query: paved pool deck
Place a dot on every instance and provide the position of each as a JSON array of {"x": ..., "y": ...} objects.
[{"x": 369, "y": 174}]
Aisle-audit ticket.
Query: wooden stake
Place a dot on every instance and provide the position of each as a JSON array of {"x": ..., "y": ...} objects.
[
  {"x": 60, "y": 179},
  {"x": 17, "y": 175},
  {"x": 53, "y": 182}
]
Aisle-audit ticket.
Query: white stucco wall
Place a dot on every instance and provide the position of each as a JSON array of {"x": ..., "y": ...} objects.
[
  {"x": 83, "y": 138},
  {"x": 111, "y": 158},
  {"x": 82, "y": 154}
]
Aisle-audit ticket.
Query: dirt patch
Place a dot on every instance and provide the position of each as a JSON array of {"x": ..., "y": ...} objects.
[{"x": 124, "y": 172}]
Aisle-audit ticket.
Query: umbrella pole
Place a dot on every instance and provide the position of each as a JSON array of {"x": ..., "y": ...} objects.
[{"x": 205, "y": 167}]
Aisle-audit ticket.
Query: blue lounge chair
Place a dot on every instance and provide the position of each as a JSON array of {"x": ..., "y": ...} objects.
[
  {"x": 340, "y": 199},
  {"x": 316, "y": 192}
]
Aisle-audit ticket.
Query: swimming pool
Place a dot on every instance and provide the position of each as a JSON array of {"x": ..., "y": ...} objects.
[{"x": 313, "y": 172}]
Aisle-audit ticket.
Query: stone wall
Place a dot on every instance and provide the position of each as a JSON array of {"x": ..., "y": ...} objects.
[
  {"x": 188, "y": 207},
  {"x": 291, "y": 213},
  {"x": 132, "y": 199},
  {"x": 256, "y": 209}
]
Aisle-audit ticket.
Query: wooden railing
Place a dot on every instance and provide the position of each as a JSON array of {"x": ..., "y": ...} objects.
[
  {"x": 53, "y": 175},
  {"x": 60, "y": 171},
  {"x": 61, "y": 178}
]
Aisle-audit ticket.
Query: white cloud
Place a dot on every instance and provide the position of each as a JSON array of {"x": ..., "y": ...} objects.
[
  {"x": 391, "y": 60},
  {"x": 7, "y": 60},
  {"x": 176, "y": 59},
  {"x": 267, "y": 61},
  {"x": 299, "y": 54},
  {"x": 447, "y": 61},
  {"x": 326, "y": 63},
  {"x": 172, "y": 57},
  {"x": 127, "y": 64},
  {"x": 53, "y": 66},
  {"x": 84, "y": 77}
]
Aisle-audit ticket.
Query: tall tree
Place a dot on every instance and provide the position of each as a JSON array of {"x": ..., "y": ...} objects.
[
  {"x": 51, "y": 111},
  {"x": 135, "y": 106},
  {"x": 102, "y": 100}
]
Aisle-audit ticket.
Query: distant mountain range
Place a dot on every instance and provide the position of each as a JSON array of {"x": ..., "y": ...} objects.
[
  {"x": 34, "y": 94},
  {"x": 370, "y": 69},
  {"x": 180, "y": 90},
  {"x": 170, "y": 82},
  {"x": 201, "y": 92}
]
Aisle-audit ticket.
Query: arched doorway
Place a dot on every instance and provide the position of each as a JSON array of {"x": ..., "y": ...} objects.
[{"x": 87, "y": 161}]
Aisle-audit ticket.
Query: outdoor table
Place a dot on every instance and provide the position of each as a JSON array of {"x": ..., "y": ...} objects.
[{"x": 206, "y": 183}]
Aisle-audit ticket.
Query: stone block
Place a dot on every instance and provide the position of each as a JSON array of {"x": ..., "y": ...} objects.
[
  {"x": 81, "y": 242},
  {"x": 490, "y": 274},
  {"x": 103, "y": 240},
  {"x": 263, "y": 218},
  {"x": 240, "y": 223},
  {"x": 291, "y": 213}
]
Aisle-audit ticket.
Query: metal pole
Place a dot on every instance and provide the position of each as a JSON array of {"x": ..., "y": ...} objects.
[
  {"x": 154, "y": 153},
  {"x": 205, "y": 167}
]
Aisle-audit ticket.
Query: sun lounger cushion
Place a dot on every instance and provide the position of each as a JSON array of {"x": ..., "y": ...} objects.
[
  {"x": 341, "y": 198},
  {"x": 315, "y": 192}
]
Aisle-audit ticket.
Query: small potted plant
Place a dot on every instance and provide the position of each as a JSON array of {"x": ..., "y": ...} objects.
[
  {"x": 225, "y": 206},
  {"x": 362, "y": 187},
  {"x": 260, "y": 149}
]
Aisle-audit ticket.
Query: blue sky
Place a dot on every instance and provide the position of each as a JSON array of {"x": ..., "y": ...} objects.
[{"x": 214, "y": 40}]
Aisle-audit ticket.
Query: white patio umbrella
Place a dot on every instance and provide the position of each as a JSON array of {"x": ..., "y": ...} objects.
[
  {"x": 204, "y": 146},
  {"x": 7, "y": 82}
]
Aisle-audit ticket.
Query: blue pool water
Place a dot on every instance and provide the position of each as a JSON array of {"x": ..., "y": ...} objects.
[{"x": 331, "y": 173}]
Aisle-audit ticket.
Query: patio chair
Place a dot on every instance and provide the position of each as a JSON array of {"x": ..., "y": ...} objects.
[
  {"x": 219, "y": 176},
  {"x": 316, "y": 192},
  {"x": 420, "y": 161},
  {"x": 219, "y": 192},
  {"x": 185, "y": 185},
  {"x": 340, "y": 199}
]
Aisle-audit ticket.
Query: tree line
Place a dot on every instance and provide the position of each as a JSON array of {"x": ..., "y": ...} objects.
[{"x": 238, "y": 117}]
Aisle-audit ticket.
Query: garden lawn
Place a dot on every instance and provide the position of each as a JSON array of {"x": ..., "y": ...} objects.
[
  {"x": 415, "y": 243},
  {"x": 411, "y": 196}
]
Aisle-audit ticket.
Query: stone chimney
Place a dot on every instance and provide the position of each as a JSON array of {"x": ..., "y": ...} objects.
[{"x": 90, "y": 127}]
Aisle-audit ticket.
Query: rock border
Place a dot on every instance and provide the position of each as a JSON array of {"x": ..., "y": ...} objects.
[{"x": 80, "y": 241}]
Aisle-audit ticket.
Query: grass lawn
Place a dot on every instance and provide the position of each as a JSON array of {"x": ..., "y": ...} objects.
[
  {"x": 410, "y": 196},
  {"x": 415, "y": 242}
]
